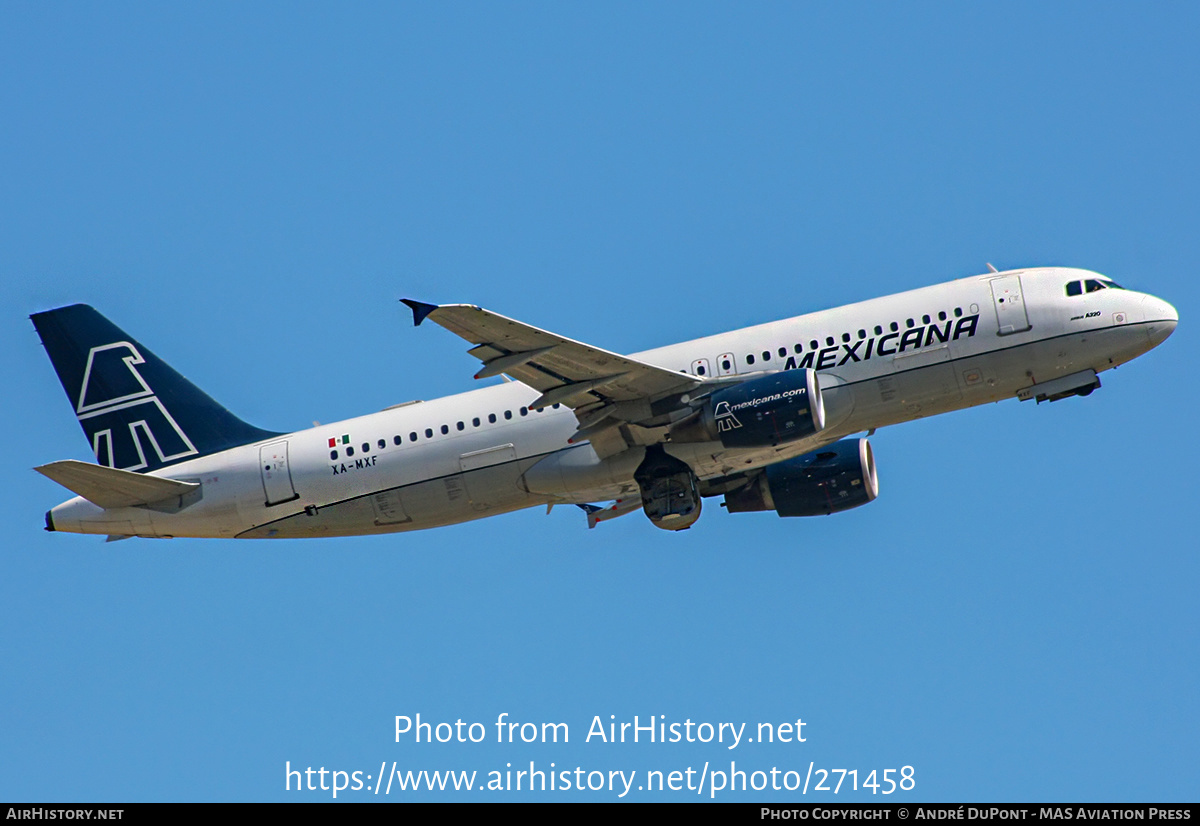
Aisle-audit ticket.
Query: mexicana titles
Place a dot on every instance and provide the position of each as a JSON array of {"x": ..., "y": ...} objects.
[{"x": 885, "y": 343}]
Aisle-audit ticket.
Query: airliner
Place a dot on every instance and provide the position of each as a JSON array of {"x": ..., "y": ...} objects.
[{"x": 774, "y": 417}]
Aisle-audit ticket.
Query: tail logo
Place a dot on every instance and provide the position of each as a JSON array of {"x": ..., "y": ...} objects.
[{"x": 128, "y": 426}]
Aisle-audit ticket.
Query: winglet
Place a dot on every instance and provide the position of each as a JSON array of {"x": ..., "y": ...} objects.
[
  {"x": 596, "y": 514},
  {"x": 591, "y": 511},
  {"x": 420, "y": 310}
]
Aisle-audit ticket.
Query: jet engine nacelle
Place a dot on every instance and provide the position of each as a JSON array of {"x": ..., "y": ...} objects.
[
  {"x": 835, "y": 478},
  {"x": 762, "y": 412}
]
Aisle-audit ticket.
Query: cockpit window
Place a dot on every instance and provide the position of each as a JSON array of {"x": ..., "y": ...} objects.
[
  {"x": 1093, "y": 285},
  {"x": 1112, "y": 285},
  {"x": 1075, "y": 288}
]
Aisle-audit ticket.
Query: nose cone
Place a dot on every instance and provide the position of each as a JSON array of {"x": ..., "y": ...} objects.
[{"x": 1161, "y": 319}]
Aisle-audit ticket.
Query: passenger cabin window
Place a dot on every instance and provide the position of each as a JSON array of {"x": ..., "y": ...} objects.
[
  {"x": 749, "y": 359},
  {"x": 383, "y": 444},
  {"x": 507, "y": 414},
  {"x": 349, "y": 451},
  {"x": 445, "y": 429},
  {"x": 475, "y": 422},
  {"x": 333, "y": 454},
  {"x": 366, "y": 447},
  {"x": 398, "y": 439},
  {"x": 429, "y": 433},
  {"x": 412, "y": 437},
  {"x": 491, "y": 418}
]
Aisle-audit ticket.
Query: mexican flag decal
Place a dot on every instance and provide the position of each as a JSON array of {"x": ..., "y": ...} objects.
[{"x": 340, "y": 440}]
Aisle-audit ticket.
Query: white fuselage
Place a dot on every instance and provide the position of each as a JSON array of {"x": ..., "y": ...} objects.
[{"x": 475, "y": 454}]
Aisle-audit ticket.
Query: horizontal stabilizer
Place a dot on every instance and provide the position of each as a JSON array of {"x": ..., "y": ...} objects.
[{"x": 112, "y": 488}]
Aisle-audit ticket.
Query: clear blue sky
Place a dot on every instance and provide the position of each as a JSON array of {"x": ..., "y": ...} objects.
[{"x": 249, "y": 189}]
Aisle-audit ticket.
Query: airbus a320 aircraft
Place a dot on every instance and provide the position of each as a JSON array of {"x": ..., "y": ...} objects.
[{"x": 765, "y": 417}]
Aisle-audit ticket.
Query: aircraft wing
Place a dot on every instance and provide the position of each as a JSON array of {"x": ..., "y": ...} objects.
[{"x": 606, "y": 390}]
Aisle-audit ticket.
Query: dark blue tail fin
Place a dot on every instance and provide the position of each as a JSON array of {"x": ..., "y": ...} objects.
[{"x": 137, "y": 413}]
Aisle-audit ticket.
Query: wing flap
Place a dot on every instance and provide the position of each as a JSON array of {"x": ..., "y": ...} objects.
[
  {"x": 503, "y": 363},
  {"x": 111, "y": 488}
]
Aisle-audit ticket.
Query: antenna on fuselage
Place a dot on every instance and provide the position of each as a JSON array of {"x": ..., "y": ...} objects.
[{"x": 990, "y": 267}]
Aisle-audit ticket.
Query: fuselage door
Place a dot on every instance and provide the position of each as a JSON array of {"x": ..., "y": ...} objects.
[
  {"x": 700, "y": 368},
  {"x": 726, "y": 364},
  {"x": 1010, "y": 305},
  {"x": 276, "y": 475}
]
